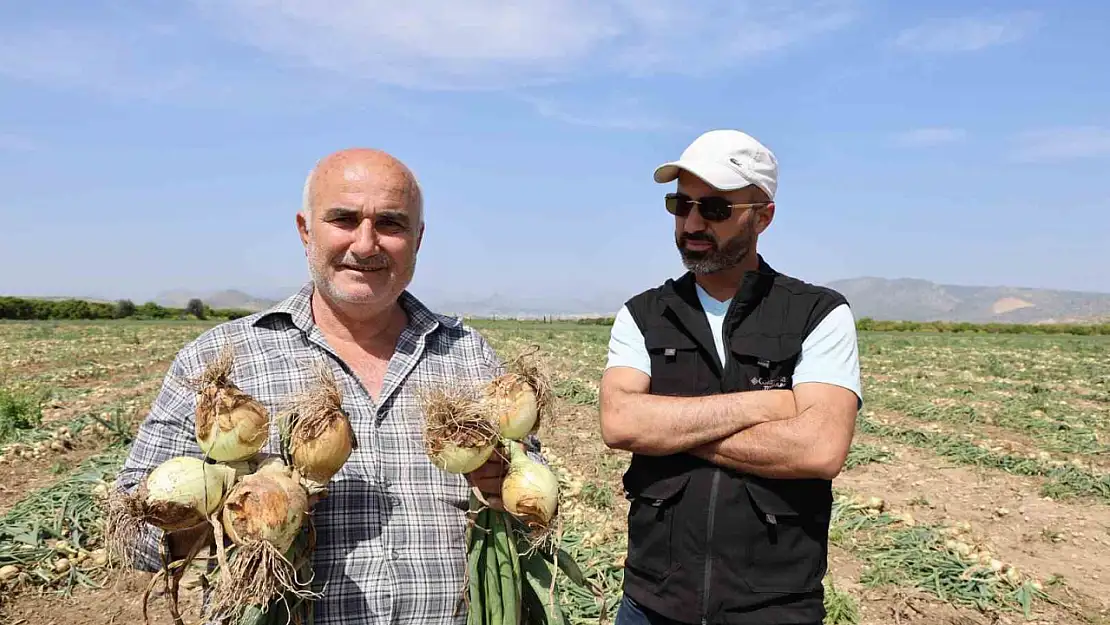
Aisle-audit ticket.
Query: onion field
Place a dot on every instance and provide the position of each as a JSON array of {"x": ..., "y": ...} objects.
[{"x": 977, "y": 490}]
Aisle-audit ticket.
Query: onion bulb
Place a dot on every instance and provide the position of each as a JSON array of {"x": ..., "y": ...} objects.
[
  {"x": 317, "y": 433},
  {"x": 230, "y": 424},
  {"x": 518, "y": 400},
  {"x": 530, "y": 490},
  {"x": 268, "y": 505},
  {"x": 263, "y": 516},
  {"x": 457, "y": 437},
  {"x": 180, "y": 493}
]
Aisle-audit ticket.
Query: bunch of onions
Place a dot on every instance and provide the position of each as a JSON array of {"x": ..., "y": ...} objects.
[
  {"x": 178, "y": 494},
  {"x": 458, "y": 437},
  {"x": 519, "y": 400},
  {"x": 316, "y": 433},
  {"x": 511, "y": 559},
  {"x": 230, "y": 424},
  {"x": 263, "y": 515}
]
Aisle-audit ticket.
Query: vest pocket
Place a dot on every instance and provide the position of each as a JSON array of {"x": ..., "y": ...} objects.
[
  {"x": 762, "y": 363},
  {"x": 651, "y": 526},
  {"x": 674, "y": 361},
  {"x": 787, "y": 546}
]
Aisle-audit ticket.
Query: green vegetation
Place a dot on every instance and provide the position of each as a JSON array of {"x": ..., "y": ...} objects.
[
  {"x": 54, "y": 535},
  {"x": 1062, "y": 481},
  {"x": 901, "y": 551},
  {"x": 25, "y": 309},
  {"x": 18, "y": 414},
  {"x": 1033, "y": 404},
  {"x": 867, "y": 324}
]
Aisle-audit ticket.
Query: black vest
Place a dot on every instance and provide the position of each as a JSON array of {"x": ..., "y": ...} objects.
[{"x": 708, "y": 544}]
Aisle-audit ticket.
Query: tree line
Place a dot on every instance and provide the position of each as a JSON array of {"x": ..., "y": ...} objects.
[
  {"x": 40, "y": 309},
  {"x": 867, "y": 324}
]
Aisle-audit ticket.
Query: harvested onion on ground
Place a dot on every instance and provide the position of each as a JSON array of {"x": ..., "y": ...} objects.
[
  {"x": 316, "y": 433},
  {"x": 230, "y": 424}
]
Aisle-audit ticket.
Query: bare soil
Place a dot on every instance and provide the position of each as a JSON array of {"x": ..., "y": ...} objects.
[
  {"x": 1037, "y": 535},
  {"x": 117, "y": 604}
]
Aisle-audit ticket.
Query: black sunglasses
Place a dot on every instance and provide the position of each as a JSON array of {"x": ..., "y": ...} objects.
[{"x": 712, "y": 208}]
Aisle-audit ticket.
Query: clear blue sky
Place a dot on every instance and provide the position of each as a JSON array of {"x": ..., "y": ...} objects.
[{"x": 145, "y": 147}]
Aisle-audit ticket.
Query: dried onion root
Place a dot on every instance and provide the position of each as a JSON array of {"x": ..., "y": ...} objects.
[
  {"x": 178, "y": 494},
  {"x": 458, "y": 438},
  {"x": 263, "y": 515}
]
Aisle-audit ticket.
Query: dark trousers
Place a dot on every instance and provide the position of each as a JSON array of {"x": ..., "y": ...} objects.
[{"x": 632, "y": 613}]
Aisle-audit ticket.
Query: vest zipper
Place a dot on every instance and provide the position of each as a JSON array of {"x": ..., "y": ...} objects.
[{"x": 709, "y": 546}]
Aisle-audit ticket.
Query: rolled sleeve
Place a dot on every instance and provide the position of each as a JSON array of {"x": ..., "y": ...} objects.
[
  {"x": 626, "y": 344},
  {"x": 830, "y": 354}
]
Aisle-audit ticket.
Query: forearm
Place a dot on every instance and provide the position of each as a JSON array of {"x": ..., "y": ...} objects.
[
  {"x": 658, "y": 425},
  {"x": 796, "y": 448}
]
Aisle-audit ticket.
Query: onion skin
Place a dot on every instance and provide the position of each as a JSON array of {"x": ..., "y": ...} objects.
[
  {"x": 268, "y": 505},
  {"x": 319, "y": 458},
  {"x": 530, "y": 490},
  {"x": 174, "y": 497},
  {"x": 459, "y": 460},
  {"x": 230, "y": 424},
  {"x": 459, "y": 436},
  {"x": 511, "y": 402}
]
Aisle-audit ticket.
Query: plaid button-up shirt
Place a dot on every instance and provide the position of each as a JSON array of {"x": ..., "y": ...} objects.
[{"x": 390, "y": 542}]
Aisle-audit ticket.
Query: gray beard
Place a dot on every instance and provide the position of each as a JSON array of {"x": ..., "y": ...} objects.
[{"x": 733, "y": 253}]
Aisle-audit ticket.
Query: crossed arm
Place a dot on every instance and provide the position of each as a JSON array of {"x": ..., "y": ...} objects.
[{"x": 803, "y": 433}]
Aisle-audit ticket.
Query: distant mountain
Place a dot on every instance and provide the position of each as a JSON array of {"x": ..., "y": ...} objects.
[
  {"x": 909, "y": 299},
  {"x": 218, "y": 299},
  {"x": 523, "y": 306}
]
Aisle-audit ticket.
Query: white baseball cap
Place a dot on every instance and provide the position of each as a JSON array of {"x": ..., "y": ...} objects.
[{"x": 727, "y": 160}]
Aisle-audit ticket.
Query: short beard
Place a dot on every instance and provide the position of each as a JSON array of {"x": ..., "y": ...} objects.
[
  {"x": 719, "y": 258},
  {"x": 317, "y": 268}
]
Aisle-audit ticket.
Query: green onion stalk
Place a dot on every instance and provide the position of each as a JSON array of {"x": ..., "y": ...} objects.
[{"x": 513, "y": 559}]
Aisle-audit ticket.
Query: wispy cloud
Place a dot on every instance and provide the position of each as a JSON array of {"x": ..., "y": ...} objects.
[
  {"x": 968, "y": 33},
  {"x": 621, "y": 113},
  {"x": 1059, "y": 144},
  {"x": 98, "y": 61},
  {"x": 928, "y": 137},
  {"x": 143, "y": 59},
  {"x": 445, "y": 44}
]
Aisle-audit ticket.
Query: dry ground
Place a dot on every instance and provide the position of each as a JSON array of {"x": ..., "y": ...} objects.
[{"x": 979, "y": 448}]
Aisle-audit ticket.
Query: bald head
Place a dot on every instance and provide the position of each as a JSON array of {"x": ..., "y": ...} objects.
[
  {"x": 361, "y": 223},
  {"x": 359, "y": 168}
]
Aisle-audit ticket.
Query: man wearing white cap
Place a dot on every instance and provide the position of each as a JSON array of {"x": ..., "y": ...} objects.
[{"x": 736, "y": 389}]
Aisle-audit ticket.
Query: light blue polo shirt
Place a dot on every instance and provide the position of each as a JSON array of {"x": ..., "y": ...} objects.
[{"x": 830, "y": 353}]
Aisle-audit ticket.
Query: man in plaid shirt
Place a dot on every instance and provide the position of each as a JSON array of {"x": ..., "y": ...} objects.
[{"x": 390, "y": 532}]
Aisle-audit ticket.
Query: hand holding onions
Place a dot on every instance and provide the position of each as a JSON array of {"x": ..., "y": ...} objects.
[
  {"x": 259, "y": 502},
  {"x": 473, "y": 432}
]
